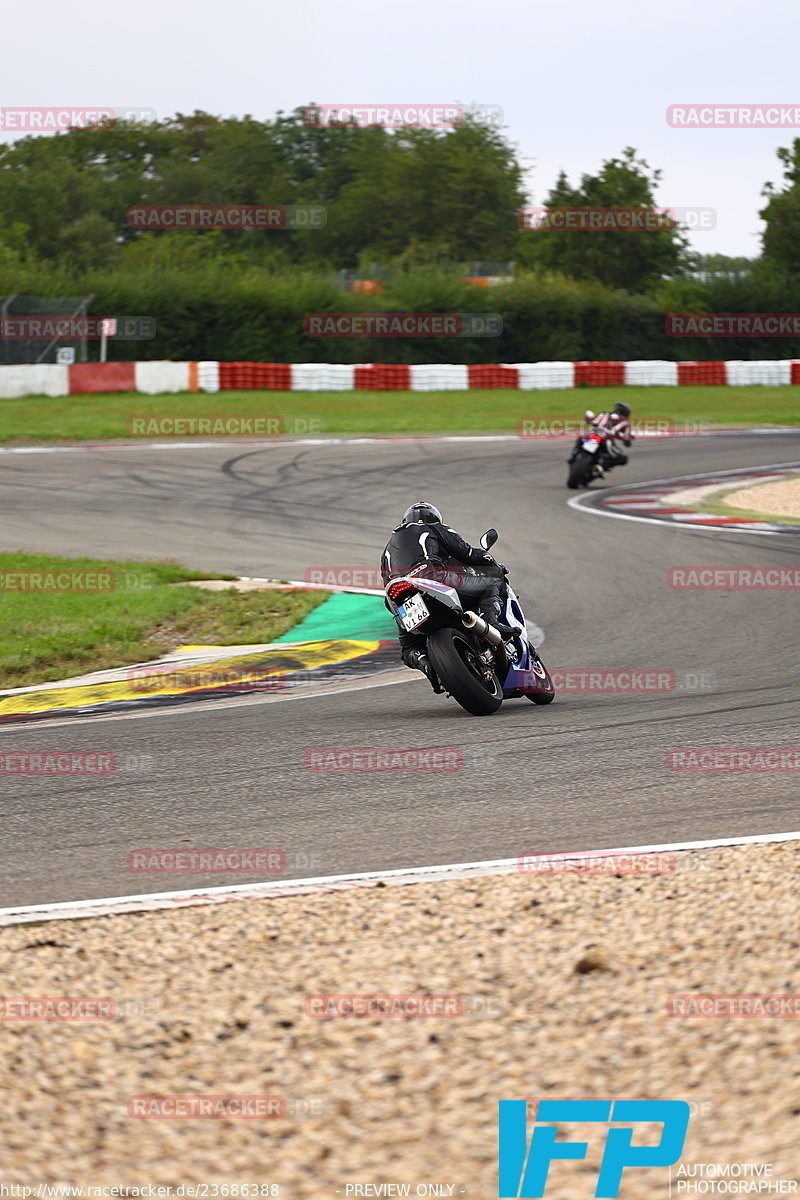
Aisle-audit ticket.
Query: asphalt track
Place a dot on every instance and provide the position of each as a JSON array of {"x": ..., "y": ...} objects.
[{"x": 587, "y": 771}]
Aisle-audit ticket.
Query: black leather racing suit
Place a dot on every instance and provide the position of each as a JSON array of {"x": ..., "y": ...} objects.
[{"x": 434, "y": 547}]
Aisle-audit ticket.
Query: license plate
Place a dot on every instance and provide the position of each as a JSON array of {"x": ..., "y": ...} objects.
[
  {"x": 413, "y": 612},
  {"x": 592, "y": 447}
]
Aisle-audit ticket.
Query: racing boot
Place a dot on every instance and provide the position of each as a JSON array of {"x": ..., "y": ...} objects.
[
  {"x": 491, "y": 612},
  {"x": 419, "y": 661}
]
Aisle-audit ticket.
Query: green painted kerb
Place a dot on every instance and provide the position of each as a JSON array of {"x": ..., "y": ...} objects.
[{"x": 345, "y": 615}]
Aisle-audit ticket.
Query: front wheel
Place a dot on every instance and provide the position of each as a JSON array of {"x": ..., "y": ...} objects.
[
  {"x": 580, "y": 472},
  {"x": 458, "y": 666},
  {"x": 546, "y": 692}
]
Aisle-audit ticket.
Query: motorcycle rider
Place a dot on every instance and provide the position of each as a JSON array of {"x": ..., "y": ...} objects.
[
  {"x": 614, "y": 427},
  {"x": 423, "y": 544}
]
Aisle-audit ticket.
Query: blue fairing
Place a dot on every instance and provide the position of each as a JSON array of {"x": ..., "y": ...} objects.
[{"x": 524, "y": 674}]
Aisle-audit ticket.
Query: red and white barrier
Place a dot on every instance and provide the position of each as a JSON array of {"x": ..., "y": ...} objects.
[
  {"x": 34, "y": 379},
  {"x": 155, "y": 378}
]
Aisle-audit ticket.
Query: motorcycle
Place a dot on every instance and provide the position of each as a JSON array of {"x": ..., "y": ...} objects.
[
  {"x": 476, "y": 665},
  {"x": 587, "y": 464}
]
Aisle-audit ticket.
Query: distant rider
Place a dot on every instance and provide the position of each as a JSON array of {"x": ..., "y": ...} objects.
[
  {"x": 615, "y": 427},
  {"x": 422, "y": 544}
]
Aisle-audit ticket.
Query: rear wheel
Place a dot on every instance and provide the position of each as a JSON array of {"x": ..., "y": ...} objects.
[
  {"x": 458, "y": 666},
  {"x": 580, "y": 472}
]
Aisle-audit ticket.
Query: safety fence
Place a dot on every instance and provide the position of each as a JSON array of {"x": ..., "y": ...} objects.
[{"x": 154, "y": 378}]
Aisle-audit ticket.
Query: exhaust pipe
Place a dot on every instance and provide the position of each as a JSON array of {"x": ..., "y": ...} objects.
[{"x": 483, "y": 629}]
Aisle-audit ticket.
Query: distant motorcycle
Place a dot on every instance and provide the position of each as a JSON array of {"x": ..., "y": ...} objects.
[
  {"x": 475, "y": 665},
  {"x": 587, "y": 464}
]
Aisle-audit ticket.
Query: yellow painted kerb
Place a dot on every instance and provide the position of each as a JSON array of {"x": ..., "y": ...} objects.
[{"x": 141, "y": 682}]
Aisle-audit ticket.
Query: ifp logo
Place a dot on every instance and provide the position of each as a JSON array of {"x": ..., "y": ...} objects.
[{"x": 523, "y": 1170}]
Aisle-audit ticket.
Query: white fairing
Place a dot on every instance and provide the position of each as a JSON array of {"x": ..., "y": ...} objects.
[{"x": 441, "y": 591}]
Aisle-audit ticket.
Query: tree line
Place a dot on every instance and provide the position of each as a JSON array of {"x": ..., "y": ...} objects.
[{"x": 410, "y": 205}]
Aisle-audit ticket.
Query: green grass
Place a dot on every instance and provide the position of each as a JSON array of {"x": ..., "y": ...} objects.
[
  {"x": 94, "y": 417},
  {"x": 45, "y": 637}
]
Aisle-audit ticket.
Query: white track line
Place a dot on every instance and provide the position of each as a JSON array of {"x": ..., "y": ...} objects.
[
  {"x": 266, "y": 444},
  {"x": 81, "y": 909},
  {"x": 577, "y": 502},
  {"x": 621, "y": 516}
]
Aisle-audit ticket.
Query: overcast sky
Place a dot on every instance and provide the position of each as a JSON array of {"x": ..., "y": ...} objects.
[{"x": 577, "y": 81}]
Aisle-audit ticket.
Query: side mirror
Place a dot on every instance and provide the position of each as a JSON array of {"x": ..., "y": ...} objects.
[{"x": 489, "y": 538}]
